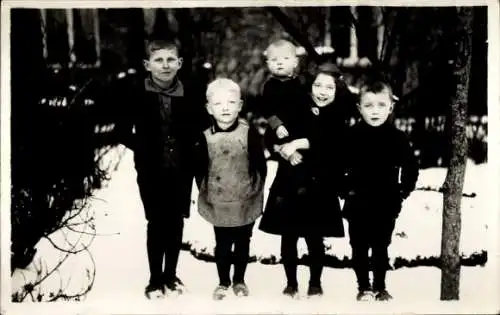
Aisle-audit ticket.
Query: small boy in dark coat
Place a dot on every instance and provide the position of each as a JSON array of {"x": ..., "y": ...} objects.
[
  {"x": 230, "y": 175},
  {"x": 381, "y": 171},
  {"x": 166, "y": 123}
]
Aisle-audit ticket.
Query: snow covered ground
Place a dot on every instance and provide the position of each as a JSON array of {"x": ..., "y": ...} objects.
[{"x": 119, "y": 260}]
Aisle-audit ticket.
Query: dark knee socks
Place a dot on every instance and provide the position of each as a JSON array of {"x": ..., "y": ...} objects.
[
  {"x": 380, "y": 259},
  {"x": 316, "y": 250},
  {"x": 163, "y": 244},
  {"x": 361, "y": 266},
  {"x": 290, "y": 259},
  {"x": 155, "y": 252},
  {"x": 225, "y": 237}
]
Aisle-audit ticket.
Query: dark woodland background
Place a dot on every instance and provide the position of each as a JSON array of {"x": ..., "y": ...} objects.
[{"x": 75, "y": 54}]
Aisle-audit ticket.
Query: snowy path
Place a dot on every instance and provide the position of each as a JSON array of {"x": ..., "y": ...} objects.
[{"x": 121, "y": 272}]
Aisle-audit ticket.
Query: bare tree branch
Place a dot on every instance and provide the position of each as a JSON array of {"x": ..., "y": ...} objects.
[{"x": 289, "y": 26}]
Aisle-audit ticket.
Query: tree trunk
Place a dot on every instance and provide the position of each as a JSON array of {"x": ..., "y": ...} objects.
[
  {"x": 379, "y": 20},
  {"x": 135, "y": 39},
  {"x": 327, "y": 41},
  {"x": 367, "y": 33},
  {"x": 71, "y": 36},
  {"x": 341, "y": 22},
  {"x": 185, "y": 35},
  {"x": 450, "y": 243}
]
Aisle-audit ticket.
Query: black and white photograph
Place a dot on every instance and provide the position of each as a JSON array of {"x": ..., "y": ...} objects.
[{"x": 265, "y": 157}]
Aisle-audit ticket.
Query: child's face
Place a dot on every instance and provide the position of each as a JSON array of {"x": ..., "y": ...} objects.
[
  {"x": 163, "y": 64},
  {"x": 282, "y": 61},
  {"x": 375, "y": 108},
  {"x": 224, "y": 106},
  {"x": 323, "y": 89}
]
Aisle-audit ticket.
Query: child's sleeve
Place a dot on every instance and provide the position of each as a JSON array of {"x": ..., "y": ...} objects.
[
  {"x": 192, "y": 127},
  {"x": 409, "y": 167},
  {"x": 270, "y": 107},
  {"x": 305, "y": 126},
  {"x": 122, "y": 103},
  {"x": 257, "y": 159},
  {"x": 199, "y": 157},
  {"x": 268, "y": 142},
  {"x": 345, "y": 185}
]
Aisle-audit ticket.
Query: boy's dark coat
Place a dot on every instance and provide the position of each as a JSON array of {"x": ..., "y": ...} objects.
[
  {"x": 374, "y": 158},
  {"x": 162, "y": 144}
]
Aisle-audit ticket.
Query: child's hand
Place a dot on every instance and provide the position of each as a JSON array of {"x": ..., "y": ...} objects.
[
  {"x": 295, "y": 158},
  {"x": 277, "y": 148},
  {"x": 287, "y": 150},
  {"x": 281, "y": 132}
]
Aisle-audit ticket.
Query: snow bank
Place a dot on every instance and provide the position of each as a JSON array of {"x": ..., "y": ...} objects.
[
  {"x": 417, "y": 234},
  {"x": 433, "y": 178},
  {"x": 416, "y": 239},
  {"x": 118, "y": 223},
  {"x": 415, "y": 290}
]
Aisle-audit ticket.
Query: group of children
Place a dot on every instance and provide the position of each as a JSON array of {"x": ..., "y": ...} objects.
[{"x": 320, "y": 159}]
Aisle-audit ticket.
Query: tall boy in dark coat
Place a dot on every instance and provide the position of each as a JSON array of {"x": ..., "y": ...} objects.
[
  {"x": 381, "y": 171},
  {"x": 166, "y": 123}
]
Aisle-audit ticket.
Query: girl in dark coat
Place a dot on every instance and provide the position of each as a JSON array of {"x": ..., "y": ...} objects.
[{"x": 303, "y": 199}]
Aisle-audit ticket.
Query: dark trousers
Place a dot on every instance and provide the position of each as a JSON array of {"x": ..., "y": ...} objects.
[
  {"x": 289, "y": 258},
  {"x": 164, "y": 229},
  {"x": 225, "y": 238},
  {"x": 164, "y": 242},
  {"x": 375, "y": 234}
]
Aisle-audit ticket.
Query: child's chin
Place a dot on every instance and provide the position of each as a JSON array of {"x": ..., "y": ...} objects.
[
  {"x": 227, "y": 120},
  {"x": 322, "y": 103},
  {"x": 376, "y": 123}
]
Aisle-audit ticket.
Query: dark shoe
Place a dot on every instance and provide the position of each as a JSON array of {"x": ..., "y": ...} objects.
[
  {"x": 383, "y": 295},
  {"x": 364, "y": 295},
  {"x": 176, "y": 286},
  {"x": 220, "y": 292},
  {"x": 240, "y": 289},
  {"x": 154, "y": 291},
  {"x": 291, "y": 291},
  {"x": 314, "y": 290}
]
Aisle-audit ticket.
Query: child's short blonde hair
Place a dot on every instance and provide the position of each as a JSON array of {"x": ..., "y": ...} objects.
[
  {"x": 224, "y": 84},
  {"x": 281, "y": 43}
]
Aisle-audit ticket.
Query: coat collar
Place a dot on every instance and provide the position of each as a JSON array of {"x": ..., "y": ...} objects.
[
  {"x": 215, "y": 128},
  {"x": 176, "y": 89}
]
